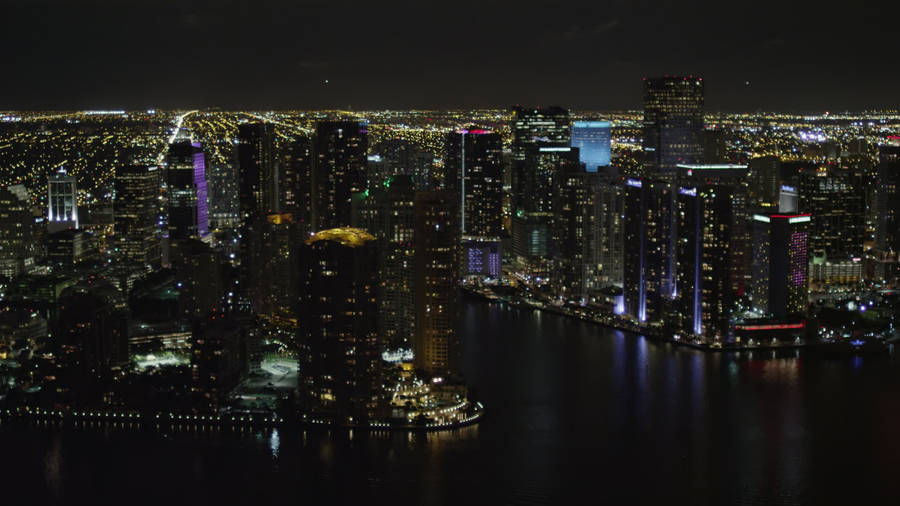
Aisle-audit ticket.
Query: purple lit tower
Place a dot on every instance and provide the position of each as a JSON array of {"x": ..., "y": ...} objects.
[{"x": 188, "y": 218}]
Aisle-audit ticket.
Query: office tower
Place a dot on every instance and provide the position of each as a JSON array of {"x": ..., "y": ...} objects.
[
  {"x": 572, "y": 227},
  {"x": 532, "y": 238},
  {"x": 673, "y": 124},
  {"x": 764, "y": 180},
  {"x": 592, "y": 138},
  {"x": 733, "y": 178},
  {"x": 780, "y": 265},
  {"x": 396, "y": 157},
  {"x": 295, "y": 166},
  {"x": 437, "y": 345},
  {"x": 17, "y": 246},
  {"x": 646, "y": 245},
  {"x": 339, "y": 171},
  {"x": 387, "y": 212},
  {"x": 218, "y": 357},
  {"x": 273, "y": 262},
  {"x": 788, "y": 199},
  {"x": 887, "y": 229},
  {"x": 186, "y": 192},
  {"x": 135, "y": 211},
  {"x": 224, "y": 195},
  {"x": 340, "y": 353},
  {"x": 715, "y": 149},
  {"x": 706, "y": 297},
  {"x": 608, "y": 230},
  {"x": 258, "y": 171},
  {"x": 835, "y": 196},
  {"x": 548, "y": 126},
  {"x": 62, "y": 202},
  {"x": 474, "y": 171},
  {"x": 70, "y": 247},
  {"x": 198, "y": 278}
]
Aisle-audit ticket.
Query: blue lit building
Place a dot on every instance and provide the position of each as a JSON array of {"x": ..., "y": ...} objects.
[{"x": 592, "y": 138}]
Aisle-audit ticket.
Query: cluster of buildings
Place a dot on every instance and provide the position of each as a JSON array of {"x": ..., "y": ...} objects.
[{"x": 344, "y": 258}]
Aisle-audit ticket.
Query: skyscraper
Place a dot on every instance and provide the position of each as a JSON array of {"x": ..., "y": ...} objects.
[
  {"x": 608, "y": 233},
  {"x": 62, "y": 202},
  {"x": 186, "y": 177},
  {"x": 704, "y": 261},
  {"x": 258, "y": 174},
  {"x": 646, "y": 245},
  {"x": 673, "y": 124},
  {"x": 387, "y": 213},
  {"x": 886, "y": 251},
  {"x": 547, "y": 126},
  {"x": 135, "y": 210},
  {"x": 437, "y": 347},
  {"x": 572, "y": 227},
  {"x": 339, "y": 171},
  {"x": 198, "y": 278},
  {"x": 474, "y": 170},
  {"x": 764, "y": 180},
  {"x": 295, "y": 168},
  {"x": 340, "y": 352},
  {"x": 592, "y": 138},
  {"x": 780, "y": 270},
  {"x": 835, "y": 196},
  {"x": 16, "y": 238}
]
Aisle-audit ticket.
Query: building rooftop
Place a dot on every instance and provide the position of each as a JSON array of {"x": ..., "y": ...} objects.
[{"x": 347, "y": 236}]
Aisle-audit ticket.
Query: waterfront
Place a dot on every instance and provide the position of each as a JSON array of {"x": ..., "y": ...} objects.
[{"x": 575, "y": 412}]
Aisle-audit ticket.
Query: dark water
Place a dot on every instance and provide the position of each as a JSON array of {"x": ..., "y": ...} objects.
[{"x": 577, "y": 414}]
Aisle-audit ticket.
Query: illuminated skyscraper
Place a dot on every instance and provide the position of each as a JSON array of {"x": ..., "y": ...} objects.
[
  {"x": 339, "y": 171},
  {"x": 387, "y": 213},
  {"x": 673, "y": 124},
  {"x": 608, "y": 235},
  {"x": 532, "y": 126},
  {"x": 295, "y": 169},
  {"x": 16, "y": 238},
  {"x": 886, "y": 251},
  {"x": 646, "y": 232},
  {"x": 592, "y": 138},
  {"x": 780, "y": 271},
  {"x": 62, "y": 202},
  {"x": 474, "y": 170},
  {"x": 437, "y": 346},
  {"x": 186, "y": 177},
  {"x": 706, "y": 297},
  {"x": 835, "y": 196},
  {"x": 572, "y": 228},
  {"x": 258, "y": 171},
  {"x": 340, "y": 352},
  {"x": 135, "y": 210}
]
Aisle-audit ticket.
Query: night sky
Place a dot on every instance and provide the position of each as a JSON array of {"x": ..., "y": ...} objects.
[{"x": 444, "y": 54}]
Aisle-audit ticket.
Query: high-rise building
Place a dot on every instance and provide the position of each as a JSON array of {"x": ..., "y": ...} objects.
[
  {"x": 340, "y": 352},
  {"x": 572, "y": 227},
  {"x": 647, "y": 248},
  {"x": 673, "y": 124},
  {"x": 17, "y": 246},
  {"x": 764, "y": 180},
  {"x": 474, "y": 169},
  {"x": 198, "y": 278},
  {"x": 218, "y": 356},
  {"x": 339, "y": 171},
  {"x": 733, "y": 179},
  {"x": 886, "y": 251},
  {"x": 706, "y": 297},
  {"x": 608, "y": 232},
  {"x": 387, "y": 213},
  {"x": 62, "y": 202},
  {"x": 401, "y": 157},
  {"x": 437, "y": 345},
  {"x": 135, "y": 211},
  {"x": 258, "y": 171},
  {"x": 835, "y": 196},
  {"x": 592, "y": 138},
  {"x": 186, "y": 192},
  {"x": 780, "y": 265},
  {"x": 273, "y": 263},
  {"x": 295, "y": 167},
  {"x": 547, "y": 126}
]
